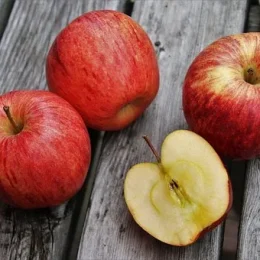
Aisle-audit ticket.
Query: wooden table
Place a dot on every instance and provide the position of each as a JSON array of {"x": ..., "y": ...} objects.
[{"x": 96, "y": 224}]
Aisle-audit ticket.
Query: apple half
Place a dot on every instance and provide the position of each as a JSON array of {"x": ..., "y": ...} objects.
[{"x": 186, "y": 193}]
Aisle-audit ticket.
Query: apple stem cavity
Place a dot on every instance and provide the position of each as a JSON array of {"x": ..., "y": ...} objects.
[
  {"x": 158, "y": 158},
  {"x": 17, "y": 129},
  {"x": 250, "y": 76}
]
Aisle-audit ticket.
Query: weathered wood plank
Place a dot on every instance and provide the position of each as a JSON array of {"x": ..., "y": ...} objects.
[
  {"x": 33, "y": 24},
  {"x": 180, "y": 30},
  {"x": 5, "y": 10},
  {"x": 249, "y": 232}
]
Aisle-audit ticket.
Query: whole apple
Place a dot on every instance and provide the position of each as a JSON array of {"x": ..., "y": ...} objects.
[
  {"x": 221, "y": 95},
  {"x": 44, "y": 149},
  {"x": 104, "y": 64}
]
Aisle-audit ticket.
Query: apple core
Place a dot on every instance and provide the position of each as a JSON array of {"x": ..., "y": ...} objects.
[{"x": 181, "y": 170}]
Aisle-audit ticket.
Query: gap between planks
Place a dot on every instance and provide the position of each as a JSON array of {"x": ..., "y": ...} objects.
[{"x": 6, "y": 7}]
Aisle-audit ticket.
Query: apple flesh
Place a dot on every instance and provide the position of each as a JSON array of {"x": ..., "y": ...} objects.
[
  {"x": 186, "y": 193},
  {"x": 221, "y": 95},
  {"x": 104, "y": 64},
  {"x": 44, "y": 149}
]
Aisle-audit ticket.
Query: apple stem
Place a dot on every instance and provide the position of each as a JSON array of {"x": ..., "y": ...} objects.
[
  {"x": 158, "y": 158},
  {"x": 6, "y": 109}
]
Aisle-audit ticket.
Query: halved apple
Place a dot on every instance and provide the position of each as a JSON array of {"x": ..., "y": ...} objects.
[{"x": 186, "y": 193}]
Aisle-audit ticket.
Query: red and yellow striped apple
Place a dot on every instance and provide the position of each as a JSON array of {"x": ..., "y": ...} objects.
[
  {"x": 105, "y": 65},
  {"x": 44, "y": 149},
  {"x": 221, "y": 95}
]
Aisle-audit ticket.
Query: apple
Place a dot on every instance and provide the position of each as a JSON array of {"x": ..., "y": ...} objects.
[
  {"x": 182, "y": 196},
  {"x": 104, "y": 64},
  {"x": 221, "y": 95},
  {"x": 44, "y": 149}
]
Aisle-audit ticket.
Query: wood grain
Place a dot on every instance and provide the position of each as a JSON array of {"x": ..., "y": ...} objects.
[
  {"x": 179, "y": 30},
  {"x": 248, "y": 245},
  {"x": 33, "y": 24}
]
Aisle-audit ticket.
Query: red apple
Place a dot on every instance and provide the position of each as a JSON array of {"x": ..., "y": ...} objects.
[
  {"x": 104, "y": 64},
  {"x": 221, "y": 95},
  {"x": 44, "y": 149}
]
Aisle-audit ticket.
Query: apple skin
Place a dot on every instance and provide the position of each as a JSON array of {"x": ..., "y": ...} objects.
[
  {"x": 46, "y": 163},
  {"x": 104, "y": 64},
  {"x": 221, "y": 100}
]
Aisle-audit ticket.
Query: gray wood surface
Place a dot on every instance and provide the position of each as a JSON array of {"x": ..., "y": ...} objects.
[
  {"x": 179, "y": 30},
  {"x": 33, "y": 24},
  {"x": 249, "y": 233}
]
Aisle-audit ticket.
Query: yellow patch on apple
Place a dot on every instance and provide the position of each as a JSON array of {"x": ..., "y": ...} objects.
[{"x": 184, "y": 194}]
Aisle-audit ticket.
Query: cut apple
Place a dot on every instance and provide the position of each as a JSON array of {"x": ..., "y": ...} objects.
[{"x": 186, "y": 193}]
